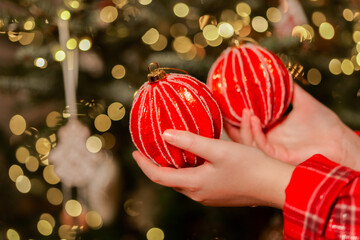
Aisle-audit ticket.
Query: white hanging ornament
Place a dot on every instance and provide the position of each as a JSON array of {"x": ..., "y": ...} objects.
[
  {"x": 292, "y": 15},
  {"x": 72, "y": 161}
]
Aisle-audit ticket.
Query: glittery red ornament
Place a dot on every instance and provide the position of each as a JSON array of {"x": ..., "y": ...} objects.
[
  {"x": 172, "y": 101},
  {"x": 249, "y": 76}
]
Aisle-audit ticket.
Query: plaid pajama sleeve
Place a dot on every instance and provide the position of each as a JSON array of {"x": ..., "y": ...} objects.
[{"x": 322, "y": 201}]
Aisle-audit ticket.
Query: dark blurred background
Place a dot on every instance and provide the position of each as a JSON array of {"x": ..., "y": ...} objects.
[{"x": 114, "y": 41}]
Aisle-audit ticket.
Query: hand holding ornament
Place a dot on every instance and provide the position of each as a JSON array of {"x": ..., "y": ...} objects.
[
  {"x": 309, "y": 128},
  {"x": 232, "y": 175}
]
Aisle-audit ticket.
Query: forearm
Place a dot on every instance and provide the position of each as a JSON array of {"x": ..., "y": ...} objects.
[{"x": 272, "y": 182}]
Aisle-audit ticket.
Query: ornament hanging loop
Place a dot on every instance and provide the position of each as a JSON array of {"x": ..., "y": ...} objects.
[
  {"x": 237, "y": 41},
  {"x": 158, "y": 73}
]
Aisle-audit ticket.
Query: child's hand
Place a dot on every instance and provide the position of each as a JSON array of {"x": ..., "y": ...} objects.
[
  {"x": 233, "y": 175},
  {"x": 309, "y": 128}
]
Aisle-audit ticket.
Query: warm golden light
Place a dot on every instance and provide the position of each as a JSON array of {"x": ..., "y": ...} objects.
[
  {"x": 226, "y": 30},
  {"x": 118, "y": 71},
  {"x": 50, "y": 175},
  {"x": 49, "y": 218},
  {"x": 11, "y": 234},
  {"x": 93, "y": 220},
  {"x": 335, "y": 66},
  {"x": 318, "y": 18},
  {"x": 73, "y": 208},
  {"x": 44, "y": 228},
  {"x": 40, "y": 62},
  {"x": 326, "y": 30},
  {"x": 43, "y": 146},
  {"x": 93, "y": 144},
  {"x": 71, "y": 44},
  {"x": 109, "y": 140},
  {"x": 314, "y": 76},
  {"x": 14, "y": 172},
  {"x": 155, "y": 234},
  {"x": 116, "y": 111},
  {"x": 348, "y": 15},
  {"x": 102, "y": 123},
  {"x": 54, "y": 196},
  {"x": 274, "y": 14},
  {"x": 23, "y": 184},
  {"x": 29, "y": 24},
  {"x": 108, "y": 14},
  {"x": 181, "y": 10},
  {"x": 182, "y": 44},
  {"x": 151, "y": 36},
  {"x": 22, "y": 154},
  {"x": 259, "y": 24},
  {"x": 32, "y": 164},
  {"x": 60, "y": 55},
  {"x": 216, "y": 42},
  {"x": 347, "y": 67},
  {"x": 65, "y": 15},
  {"x": 27, "y": 38},
  {"x": 17, "y": 124},
  {"x": 160, "y": 44},
  {"x": 243, "y": 9},
  {"x": 53, "y": 118},
  {"x": 178, "y": 29},
  {"x": 85, "y": 44},
  {"x": 74, "y": 4},
  {"x": 210, "y": 32},
  {"x": 200, "y": 40},
  {"x": 144, "y": 2},
  {"x": 356, "y": 36}
]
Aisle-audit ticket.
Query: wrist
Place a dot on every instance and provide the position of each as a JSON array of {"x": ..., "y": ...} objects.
[{"x": 273, "y": 182}]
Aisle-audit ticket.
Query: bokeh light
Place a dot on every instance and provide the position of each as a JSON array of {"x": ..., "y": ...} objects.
[
  {"x": 243, "y": 9},
  {"x": 160, "y": 44},
  {"x": 318, "y": 18},
  {"x": 155, "y": 234},
  {"x": 73, "y": 208},
  {"x": 17, "y": 124},
  {"x": 22, "y": 154},
  {"x": 259, "y": 24},
  {"x": 50, "y": 175},
  {"x": 71, "y": 44},
  {"x": 65, "y": 15},
  {"x": 210, "y": 32},
  {"x": 335, "y": 66},
  {"x": 53, "y": 119},
  {"x": 43, "y": 146},
  {"x": 274, "y": 14},
  {"x": 60, "y": 55},
  {"x": 93, "y": 144},
  {"x": 15, "y": 171},
  {"x": 356, "y": 36},
  {"x": 32, "y": 164},
  {"x": 181, "y": 10},
  {"x": 23, "y": 184},
  {"x": 182, "y": 44},
  {"x": 326, "y": 30},
  {"x": 109, "y": 14},
  {"x": 151, "y": 36},
  {"x": 11, "y": 234},
  {"x": 348, "y": 14},
  {"x": 116, "y": 111},
  {"x": 102, "y": 123},
  {"x": 144, "y": 2},
  {"x": 40, "y": 62},
  {"x": 314, "y": 76},
  {"x": 85, "y": 44},
  {"x": 347, "y": 67},
  {"x": 29, "y": 24},
  {"x": 44, "y": 228},
  {"x": 118, "y": 71},
  {"x": 54, "y": 196},
  {"x": 93, "y": 220},
  {"x": 226, "y": 30}
]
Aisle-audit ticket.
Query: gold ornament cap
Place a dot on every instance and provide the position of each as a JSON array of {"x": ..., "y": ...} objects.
[{"x": 155, "y": 74}]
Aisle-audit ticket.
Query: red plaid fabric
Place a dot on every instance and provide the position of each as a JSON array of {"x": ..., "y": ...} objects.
[{"x": 322, "y": 201}]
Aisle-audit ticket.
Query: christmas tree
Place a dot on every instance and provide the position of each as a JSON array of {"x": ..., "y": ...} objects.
[{"x": 63, "y": 61}]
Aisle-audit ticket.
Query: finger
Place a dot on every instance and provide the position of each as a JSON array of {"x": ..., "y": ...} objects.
[
  {"x": 246, "y": 135},
  {"x": 166, "y": 176},
  {"x": 233, "y": 132},
  {"x": 260, "y": 137},
  {"x": 210, "y": 149}
]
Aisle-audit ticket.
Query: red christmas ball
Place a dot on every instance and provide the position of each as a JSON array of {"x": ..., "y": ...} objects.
[
  {"x": 172, "y": 101},
  {"x": 249, "y": 76}
]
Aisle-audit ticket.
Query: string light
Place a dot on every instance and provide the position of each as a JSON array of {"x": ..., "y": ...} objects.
[
  {"x": 29, "y": 24},
  {"x": 151, "y": 36},
  {"x": 60, "y": 55},
  {"x": 40, "y": 62},
  {"x": 318, "y": 18},
  {"x": 155, "y": 234},
  {"x": 314, "y": 76},
  {"x": 181, "y": 10},
  {"x": 243, "y": 9},
  {"x": 145, "y": 2},
  {"x": 11, "y": 234},
  {"x": 94, "y": 144},
  {"x": 102, "y": 123},
  {"x": 71, "y": 44},
  {"x": 93, "y": 220},
  {"x": 118, "y": 71},
  {"x": 274, "y": 14},
  {"x": 108, "y": 14},
  {"x": 259, "y": 24},
  {"x": 65, "y": 15},
  {"x": 73, "y": 208},
  {"x": 335, "y": 66},
  {"x": 326, "y": 30},
  {"x": 17, "y": 125},
  {"x": 44, "y": 228},
  {"x": 85, "y": 44},
  {"x": 347, "y": 67},
  {"x": 226, "y": 30},
  {"x": 210, "y": 32}
]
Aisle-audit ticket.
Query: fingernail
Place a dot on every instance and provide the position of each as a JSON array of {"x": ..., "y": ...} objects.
[{"x": 169, "y": 136}]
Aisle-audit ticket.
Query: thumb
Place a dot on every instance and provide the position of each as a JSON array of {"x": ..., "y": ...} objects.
[{"x": 207, "y": 148}]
